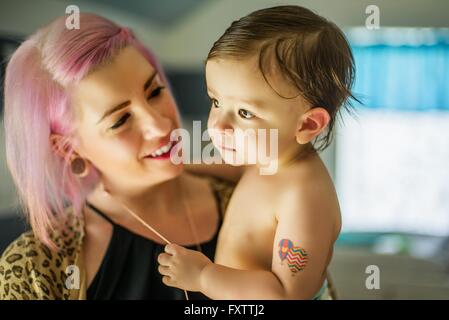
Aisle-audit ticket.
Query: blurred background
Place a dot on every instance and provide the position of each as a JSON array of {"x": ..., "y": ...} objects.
[{"x": 389, "y": 162}]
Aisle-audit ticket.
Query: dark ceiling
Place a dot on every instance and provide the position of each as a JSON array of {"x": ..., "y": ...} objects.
[{"x": 165, "y": 13}]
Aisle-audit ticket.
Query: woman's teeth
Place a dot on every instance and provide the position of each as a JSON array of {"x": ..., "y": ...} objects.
[{"x": 162, "y": 150}]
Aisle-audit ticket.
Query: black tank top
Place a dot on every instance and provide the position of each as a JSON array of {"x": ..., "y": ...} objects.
[{"x": 129, "y": 269}]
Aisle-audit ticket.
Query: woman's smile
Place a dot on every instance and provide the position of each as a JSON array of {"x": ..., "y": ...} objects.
[{"x": 163, "y": 152}]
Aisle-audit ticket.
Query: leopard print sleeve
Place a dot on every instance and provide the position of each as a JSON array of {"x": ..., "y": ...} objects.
[
  {"x": 224, "y": 190},
  {"x": 24, "y": 272},
  {"x": 30, "y": 270}
]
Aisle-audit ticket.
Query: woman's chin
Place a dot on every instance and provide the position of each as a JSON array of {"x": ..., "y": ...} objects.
[
  {"x": 166, "y": 170},
  {"x": 175, "y": 170}
]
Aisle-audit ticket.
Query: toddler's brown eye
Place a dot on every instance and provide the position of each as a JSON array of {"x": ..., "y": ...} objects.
[
  {"x": 245, "y": 114},
  {"x": 215, "y": 103}
]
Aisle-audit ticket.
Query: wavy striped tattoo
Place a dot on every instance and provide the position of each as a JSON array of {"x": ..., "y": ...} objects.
[{"x": 296, "y": 256}]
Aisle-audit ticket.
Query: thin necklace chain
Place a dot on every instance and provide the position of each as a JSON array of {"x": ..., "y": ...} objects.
[{"x": 189, "y": 218}]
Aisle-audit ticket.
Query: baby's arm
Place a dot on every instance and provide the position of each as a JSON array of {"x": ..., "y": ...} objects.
[
  {"x": 305, "y": 223},
  {"x": 305, "y": 227},
  {"x": 224, "y": 171}
]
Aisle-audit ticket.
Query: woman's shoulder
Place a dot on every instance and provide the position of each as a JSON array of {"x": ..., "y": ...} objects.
[
  {"x": 31, "y": 270},
  {"x": 221, "y": 188}
]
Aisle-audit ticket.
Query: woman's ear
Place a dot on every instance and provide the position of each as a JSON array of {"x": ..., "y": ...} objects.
[
  {"x": 59, "y": 144},
  {"x": 311, "y": 124}
]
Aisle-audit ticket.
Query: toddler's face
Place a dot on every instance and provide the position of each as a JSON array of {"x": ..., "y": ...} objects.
[{"x": 243, "y": 102}]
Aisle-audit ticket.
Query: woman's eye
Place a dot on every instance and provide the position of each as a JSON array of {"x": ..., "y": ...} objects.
[
  {"x": 215, "y": 103},
  {"x": 245, "y": 114},
  {"x": 121, "y": 121},
  {"x": 155, "y": 92}
]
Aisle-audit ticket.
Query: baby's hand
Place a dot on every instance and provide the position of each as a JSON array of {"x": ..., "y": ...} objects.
[{"x": 182, "y": 267}]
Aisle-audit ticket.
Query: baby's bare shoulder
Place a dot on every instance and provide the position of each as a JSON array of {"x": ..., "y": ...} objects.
[
  {"x": 308, "y": 187},
  {"x": 305, "y": 175}
]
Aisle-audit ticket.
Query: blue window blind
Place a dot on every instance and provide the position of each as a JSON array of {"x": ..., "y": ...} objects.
[{"x": 402, "y": 69}]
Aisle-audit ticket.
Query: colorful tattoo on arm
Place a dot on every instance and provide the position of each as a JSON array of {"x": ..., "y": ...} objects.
[{"x": 296, "y": 256}]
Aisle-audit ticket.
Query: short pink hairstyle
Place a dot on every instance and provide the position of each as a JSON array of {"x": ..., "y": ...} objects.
[{"x": 37, "y": 105}]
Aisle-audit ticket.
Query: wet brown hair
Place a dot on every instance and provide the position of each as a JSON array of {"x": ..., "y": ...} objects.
[{"x": 311, "y": 52}]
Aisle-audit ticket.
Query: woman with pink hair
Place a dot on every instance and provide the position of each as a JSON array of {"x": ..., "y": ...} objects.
[{"x": 88, "y": 117}]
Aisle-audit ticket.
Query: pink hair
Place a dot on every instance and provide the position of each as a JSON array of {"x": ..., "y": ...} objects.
[{"x": 37, "y": 105}]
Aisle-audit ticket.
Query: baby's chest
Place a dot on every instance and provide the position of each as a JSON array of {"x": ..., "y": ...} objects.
[{"x": 247, "y": 234}]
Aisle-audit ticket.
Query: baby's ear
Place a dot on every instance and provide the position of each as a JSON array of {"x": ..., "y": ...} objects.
[{"x": 311, "y": 124}]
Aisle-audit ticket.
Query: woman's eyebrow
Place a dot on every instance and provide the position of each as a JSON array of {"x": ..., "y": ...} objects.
[
  {"x": 149, "y": 81},
  {"x": 126, "y": 103}
]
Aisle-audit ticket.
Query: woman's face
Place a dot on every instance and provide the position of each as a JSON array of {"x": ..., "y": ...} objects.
[{"x": 125, "y": 112}]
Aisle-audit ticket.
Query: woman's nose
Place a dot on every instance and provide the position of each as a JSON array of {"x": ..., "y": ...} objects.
[{"x": 155, "y": 125}]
